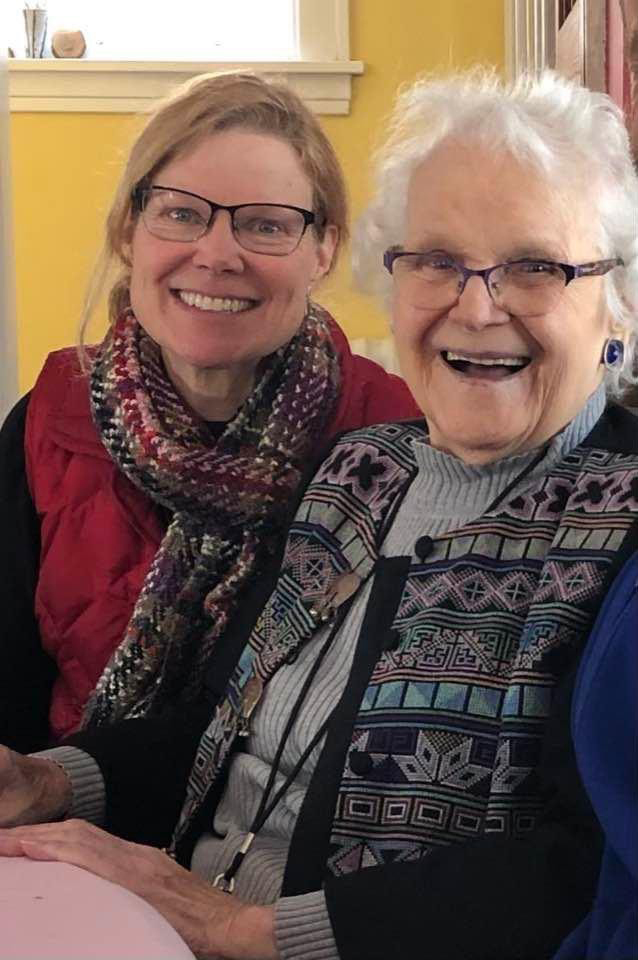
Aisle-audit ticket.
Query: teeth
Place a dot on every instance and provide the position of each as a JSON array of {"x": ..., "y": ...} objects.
[
  {"x": 498, "y": 362},
  {"x": 219, "y": 304}
]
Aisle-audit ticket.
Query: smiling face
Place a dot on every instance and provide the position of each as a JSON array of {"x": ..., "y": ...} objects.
[
  {"x": 484, "y": 208},
  {"x": 209, "y": 303}
]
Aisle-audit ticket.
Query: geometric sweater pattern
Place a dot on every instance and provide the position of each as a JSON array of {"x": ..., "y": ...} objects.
[{"x": 452, "y": 719}]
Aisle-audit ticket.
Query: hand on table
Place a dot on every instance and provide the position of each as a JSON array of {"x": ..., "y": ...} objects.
[
  {"x": 32, "y": 789},
  {"x": 212, "y": 923}
]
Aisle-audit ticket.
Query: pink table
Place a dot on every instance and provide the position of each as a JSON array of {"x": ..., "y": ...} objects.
[{"x": 53, "y": 911}]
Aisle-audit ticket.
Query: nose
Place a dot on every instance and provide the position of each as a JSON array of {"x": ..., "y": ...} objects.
[
  {"x": 218, "y": 249},
  {"x": 475, "y": 308}
]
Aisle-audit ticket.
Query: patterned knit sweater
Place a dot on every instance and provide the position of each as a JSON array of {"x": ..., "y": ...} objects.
[{"x": 444, "y": 495}]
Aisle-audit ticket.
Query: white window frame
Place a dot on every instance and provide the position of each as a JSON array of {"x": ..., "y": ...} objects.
[
  {"x": 530, "y": 30},
  {"x": 531, "y": 41},
  {"x": 322, "y": 76}
]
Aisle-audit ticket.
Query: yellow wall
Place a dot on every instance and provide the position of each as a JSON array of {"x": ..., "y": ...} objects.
[{"x": 65, "y": 165}]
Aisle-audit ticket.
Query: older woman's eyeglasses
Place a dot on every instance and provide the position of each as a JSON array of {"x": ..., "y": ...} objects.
[
  {"x": 274, "y": 229},
  {"x": 434, "y": 280}
]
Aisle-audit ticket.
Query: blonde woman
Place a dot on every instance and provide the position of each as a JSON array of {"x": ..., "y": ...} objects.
[{"x": 139, "y": 500}]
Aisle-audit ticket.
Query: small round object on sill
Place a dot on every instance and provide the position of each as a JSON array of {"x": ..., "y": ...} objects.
[{"x": 68, "y": 44}]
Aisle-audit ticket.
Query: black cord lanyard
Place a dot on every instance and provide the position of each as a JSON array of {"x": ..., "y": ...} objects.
[
  {"x": 226, "y": 881},
  {"x": 517, "y": 479}
]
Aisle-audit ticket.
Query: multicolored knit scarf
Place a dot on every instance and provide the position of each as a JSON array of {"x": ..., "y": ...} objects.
[{"x": 229, "y": 499}]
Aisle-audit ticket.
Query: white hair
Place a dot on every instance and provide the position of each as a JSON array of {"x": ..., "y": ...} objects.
[{"x": 571, "y": 135}]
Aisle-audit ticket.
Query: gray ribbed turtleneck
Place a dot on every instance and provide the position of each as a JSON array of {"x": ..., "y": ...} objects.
[{"x": 448, "y": 493}]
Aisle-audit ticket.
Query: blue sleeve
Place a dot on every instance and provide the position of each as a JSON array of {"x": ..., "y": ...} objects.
[{"x": 605, "y": 731}]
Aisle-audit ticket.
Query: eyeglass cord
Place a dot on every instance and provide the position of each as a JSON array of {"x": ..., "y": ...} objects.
[{"x": 518, "y": 479}]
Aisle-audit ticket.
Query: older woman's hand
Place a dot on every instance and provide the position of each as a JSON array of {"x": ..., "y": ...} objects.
[
  {"x": 32, "y": 789},
  {"x": 212, "y": 923}
]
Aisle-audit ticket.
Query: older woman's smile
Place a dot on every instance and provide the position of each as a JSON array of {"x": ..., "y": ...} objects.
[{"x": 484, "y": 366}]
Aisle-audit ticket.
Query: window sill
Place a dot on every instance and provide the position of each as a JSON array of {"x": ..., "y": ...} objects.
[{"x": 101, "y": 86}]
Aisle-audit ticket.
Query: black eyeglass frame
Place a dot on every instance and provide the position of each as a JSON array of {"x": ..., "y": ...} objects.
[
  {"x": 572, "y": 271},
  {"x": 143, "y": 190}
]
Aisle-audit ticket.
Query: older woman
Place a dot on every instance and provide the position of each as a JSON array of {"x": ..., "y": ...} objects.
[
  {"x": 386, "y": 769},
  {"x": 137, "y": 504}
]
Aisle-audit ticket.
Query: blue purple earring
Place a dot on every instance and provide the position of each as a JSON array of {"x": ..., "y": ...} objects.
[{"x": 613, "y": 354}]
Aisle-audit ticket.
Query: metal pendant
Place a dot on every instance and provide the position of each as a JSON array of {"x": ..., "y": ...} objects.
[
  {"x": 221, "y": 883},
  {"x": 226, "y": 881},
  {"x": 251, "y": 695},
  {"x": 340, "y": 590}
]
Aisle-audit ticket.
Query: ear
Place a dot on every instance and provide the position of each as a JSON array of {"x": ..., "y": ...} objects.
[{"x": 325, "y": 251}]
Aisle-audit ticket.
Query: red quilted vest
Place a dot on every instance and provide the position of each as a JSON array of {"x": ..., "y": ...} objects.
[{"x": 100, "y": 534}]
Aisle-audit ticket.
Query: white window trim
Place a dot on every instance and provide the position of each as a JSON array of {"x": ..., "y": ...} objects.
[
  {"x": 132, "y": 87},
  {"x": 322, "y": 77},
  {"x": 531, "y": 41},
  {"x": 530, "y": 36}
]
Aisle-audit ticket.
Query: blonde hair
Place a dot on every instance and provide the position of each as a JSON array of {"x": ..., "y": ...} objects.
[{"x": 203, "y": 106}]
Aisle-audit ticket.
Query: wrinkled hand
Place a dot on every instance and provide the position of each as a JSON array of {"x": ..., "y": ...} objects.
[
  {"x": 212, "y": 923},
  {"x": 32, "y": 789}
]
